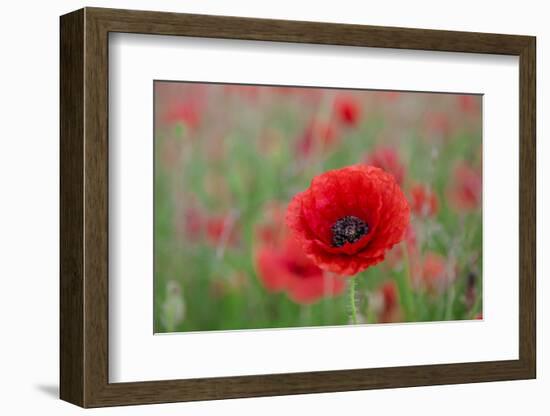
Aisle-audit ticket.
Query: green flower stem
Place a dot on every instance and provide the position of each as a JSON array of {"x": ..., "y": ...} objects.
[
  {"x": 352, "y": 306},
  {"x": 403, "y": 284},
  {"x": 450, "y": 302}
]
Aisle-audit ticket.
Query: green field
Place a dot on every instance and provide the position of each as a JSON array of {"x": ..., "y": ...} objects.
[{"x": 228, "y": 159}]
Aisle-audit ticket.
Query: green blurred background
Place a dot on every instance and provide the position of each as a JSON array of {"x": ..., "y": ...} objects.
[{"x": 228, "y": 158}]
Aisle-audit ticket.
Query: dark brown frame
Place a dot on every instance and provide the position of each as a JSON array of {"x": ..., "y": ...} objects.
[{"x": 84, "y": 207}]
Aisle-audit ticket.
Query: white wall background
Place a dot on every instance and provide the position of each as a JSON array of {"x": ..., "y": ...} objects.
[{"x": 29, "y": 85}]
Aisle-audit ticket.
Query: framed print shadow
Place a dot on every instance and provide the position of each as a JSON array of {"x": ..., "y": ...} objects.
[{"x": 255, "y": 207}]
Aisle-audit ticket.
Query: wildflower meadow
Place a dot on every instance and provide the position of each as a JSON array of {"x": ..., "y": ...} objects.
[{"x": 296, "y": 207}]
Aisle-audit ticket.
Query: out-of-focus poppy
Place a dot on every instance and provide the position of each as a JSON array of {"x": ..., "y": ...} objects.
[
  {"x": 431, "y": 273},
  {"x": 318, "y": 134},
  {"x": 423, "y": 200},
  {"x": 387, "y": 158},
  {"x": 389, "y": 310},
  {"x": 465, "y": 188},
  {"x": 286, "y": 268},
  {"x": 347, "y": 109}
]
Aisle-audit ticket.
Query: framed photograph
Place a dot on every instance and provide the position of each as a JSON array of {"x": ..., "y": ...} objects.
[{"x": 255, "y": 207}]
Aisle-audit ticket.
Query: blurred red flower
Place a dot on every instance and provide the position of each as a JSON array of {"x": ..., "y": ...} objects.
[
  {"x": 431, "y": 273},
  {"x": 424, "y": 201},
  {"x": 193, "y": 225},
  {"x": 192, "y": 221},
  {"x": 348, "y": 218},
  {"x": 286, "y": 268},
  {"x": 187, "y": 113},
  {"x": 438, "y": 123},
  {"x": 221, "y": 229},
  {"x": 319, "y": 134},
  {"x": 347, "y": 109},
  {"x": 387, "y": 158},
  {"x": 465, "y": 189},
  {"x": 468, "y": 103},
  {"x": 389, "y": 310}
]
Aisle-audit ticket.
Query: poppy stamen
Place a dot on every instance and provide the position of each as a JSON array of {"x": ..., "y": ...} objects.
[{"x": 348, "y": 229}]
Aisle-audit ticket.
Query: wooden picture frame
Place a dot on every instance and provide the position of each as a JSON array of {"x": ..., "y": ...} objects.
[{"x": 84, "y": 207}]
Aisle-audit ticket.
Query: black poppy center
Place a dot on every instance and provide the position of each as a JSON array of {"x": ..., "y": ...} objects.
[{"x": 348, "y": 229}]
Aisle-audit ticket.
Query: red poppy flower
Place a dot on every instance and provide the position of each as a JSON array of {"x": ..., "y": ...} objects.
[
  {"x": 286, "y": 268},
  {"x": 465, "y": 190},
  {"x": 347, "y": 109},
  {"x": 387, "y": 158},
  {"x": 423, "y": 201},
  {"x": 348, "y": 218}
]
